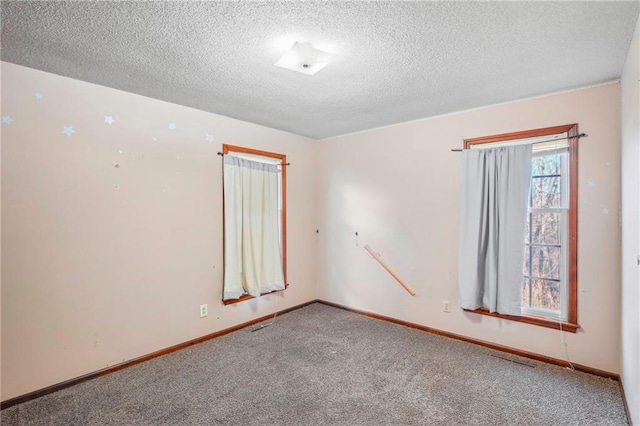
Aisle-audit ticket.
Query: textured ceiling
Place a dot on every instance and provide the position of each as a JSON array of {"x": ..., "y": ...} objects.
[{"x": 397, "y": 61}]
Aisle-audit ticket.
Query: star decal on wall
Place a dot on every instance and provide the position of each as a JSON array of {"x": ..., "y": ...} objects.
[
  {"x": 608, "y": 163},
  {"x": 6, "y": 119},
  {"x": 209, "y": 138},
  {"x": 109, "y": 119},
  {"x": 172, "y": 126},
  {"x": 605, "y": 211},
  {"x": 591, "y": 184},
  {"x": 68, "y": 130},
  {"x": 39, "y": 96}
]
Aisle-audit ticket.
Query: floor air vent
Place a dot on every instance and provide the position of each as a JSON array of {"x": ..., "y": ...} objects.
[{"x": 514, "y": 360}]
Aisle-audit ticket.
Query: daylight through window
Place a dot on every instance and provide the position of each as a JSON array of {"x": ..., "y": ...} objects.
[
  {"x": 544, "y": 289},
  {"x": 549, "y": 295}
]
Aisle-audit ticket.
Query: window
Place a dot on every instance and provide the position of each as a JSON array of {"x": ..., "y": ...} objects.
[
  {"x": 544, "y": 289},
  {"x": 254, "y": 222},
  {"x": 549, "y": 283}
]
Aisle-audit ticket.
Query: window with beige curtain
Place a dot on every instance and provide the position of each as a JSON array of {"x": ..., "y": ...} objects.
[{"x": 253, "y": 225}]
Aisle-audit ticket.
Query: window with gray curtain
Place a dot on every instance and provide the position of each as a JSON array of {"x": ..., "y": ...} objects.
[{"x": 545, "y": 285}]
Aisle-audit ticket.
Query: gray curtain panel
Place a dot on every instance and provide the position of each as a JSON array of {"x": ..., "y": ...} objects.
[{"x": 494, "y": 207}]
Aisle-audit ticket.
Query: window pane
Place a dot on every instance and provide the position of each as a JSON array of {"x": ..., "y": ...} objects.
[
  {"x": 526, "y": 270},
  {"x": 528, "y": 229},
  {"x": 545, "y": 262},
  {"x": 545, "y": 294},
  {"x": 545, "y": 192},
  {"x": 545, "y": 165},
  {"x": 525, "y": 293},
  {"x": 545, "y": 228}
]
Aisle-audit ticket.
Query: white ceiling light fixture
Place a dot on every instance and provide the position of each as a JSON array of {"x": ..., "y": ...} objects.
[{"x": 305, "y": 58}]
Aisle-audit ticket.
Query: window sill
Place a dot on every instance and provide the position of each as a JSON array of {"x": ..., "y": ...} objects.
[
  {"x": 528, "y": 319},
  {"x": 249, "y": 297}
]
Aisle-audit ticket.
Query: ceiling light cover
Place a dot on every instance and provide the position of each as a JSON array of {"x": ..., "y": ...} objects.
[{"x": 305, "y": 58}]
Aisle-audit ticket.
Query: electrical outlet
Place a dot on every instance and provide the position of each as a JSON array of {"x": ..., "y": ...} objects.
[
  {"x": 446, "y": 306},
  {"x": 204, "y": 311}
]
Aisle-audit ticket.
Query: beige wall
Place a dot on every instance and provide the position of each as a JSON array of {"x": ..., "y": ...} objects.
[
  {"x": 399, "y": 188},
  {"x": 92, "y": 275},
  {"x": 631, "y": 227}
]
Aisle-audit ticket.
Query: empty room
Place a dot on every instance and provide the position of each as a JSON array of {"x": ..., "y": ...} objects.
[{"x": 320, "y": 213}]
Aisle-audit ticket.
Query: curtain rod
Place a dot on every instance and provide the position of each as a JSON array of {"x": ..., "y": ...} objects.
[
  {"x": 283, "y": 164},
  {"x": 581, "y": 135}
]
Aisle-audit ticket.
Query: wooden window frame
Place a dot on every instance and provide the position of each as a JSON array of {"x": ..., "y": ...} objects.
[
  {"x": 226, "y": 149},
  {"x": 571, "y": 325}
]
